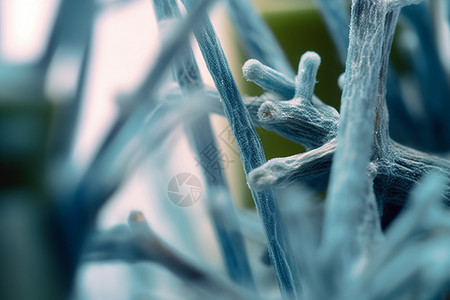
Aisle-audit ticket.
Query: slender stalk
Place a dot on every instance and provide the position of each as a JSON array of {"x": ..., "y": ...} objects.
[
  {"x": 382, "y": 140},
  {"x": 252, "y": 155},
  {"x": 187, "y": 74}
]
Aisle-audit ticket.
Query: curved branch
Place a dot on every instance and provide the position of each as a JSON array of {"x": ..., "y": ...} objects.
[{"x": 312, "y": 167}]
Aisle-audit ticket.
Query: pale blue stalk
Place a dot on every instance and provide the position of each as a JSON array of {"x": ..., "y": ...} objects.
[
  {"x": 365, "y": 75},
  {"x": 187, "y": 74},
  {"x": 382, "y": 141},
  {"x": 252, "y": 155},
  {"x": 349, "y": 172},
  {"x": 337, "y": 18},
  {"x": 257, "y": 38}
]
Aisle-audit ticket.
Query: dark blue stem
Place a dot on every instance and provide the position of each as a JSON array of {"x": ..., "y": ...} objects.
[
  {"x": 336, "y": 18},
  {"x": 432, "y": 80}
]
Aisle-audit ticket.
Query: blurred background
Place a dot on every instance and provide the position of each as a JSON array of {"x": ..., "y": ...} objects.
[{"x": 62, "y": 75}]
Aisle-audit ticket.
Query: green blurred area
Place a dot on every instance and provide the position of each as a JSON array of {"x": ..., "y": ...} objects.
[
  {"x": 24, "y": 127},
  {"x": 28, "y": 262}
]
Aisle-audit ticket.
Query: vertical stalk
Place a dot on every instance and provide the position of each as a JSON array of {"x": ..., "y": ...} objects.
[
  {"x": 186, "y": 72},
  {"x": 348, "y": 179},
  {"x": 252, "y": 155},
  {"x": 382, "y": 140}
]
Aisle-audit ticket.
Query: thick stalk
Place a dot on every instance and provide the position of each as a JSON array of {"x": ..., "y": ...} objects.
[{"x": 349, "y": 171}]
